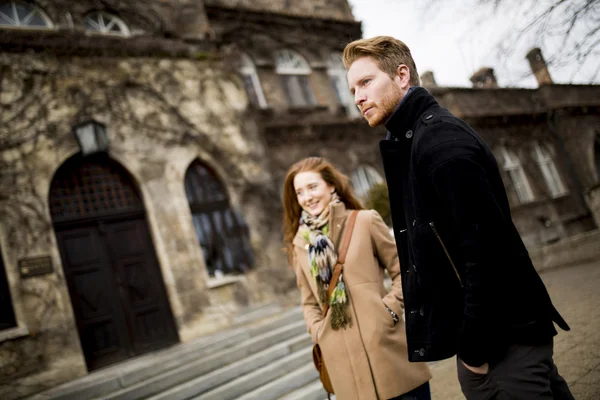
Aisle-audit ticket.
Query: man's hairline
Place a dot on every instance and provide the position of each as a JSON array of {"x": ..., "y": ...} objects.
[{"x": 379, "y": 67}]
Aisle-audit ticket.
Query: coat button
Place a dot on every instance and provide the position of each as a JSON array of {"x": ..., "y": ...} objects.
[
  {"x": 422, "y": 312},
  {"x": 422, "y": 352},
  {"x": 414, "y": 222},
  {"x": 409, "y": 134}
]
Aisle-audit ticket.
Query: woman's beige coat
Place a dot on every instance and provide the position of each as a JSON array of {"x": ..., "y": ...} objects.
[{"x": 369, "y": 359}]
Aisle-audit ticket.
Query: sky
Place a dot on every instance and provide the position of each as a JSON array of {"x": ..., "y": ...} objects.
[{"x": 454, "y": 38}]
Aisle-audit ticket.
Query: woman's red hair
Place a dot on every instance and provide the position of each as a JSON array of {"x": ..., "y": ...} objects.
[{"x": 291, "y": 207}]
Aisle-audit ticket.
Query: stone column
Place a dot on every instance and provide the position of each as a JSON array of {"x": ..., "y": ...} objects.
[
  {"x": 539, "y": 67},
  {"x": 428, "y": 79},
  {"x": 484, "y": 79}
]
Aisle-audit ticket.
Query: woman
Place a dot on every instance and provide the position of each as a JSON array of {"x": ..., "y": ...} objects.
[{"x": 362, "y": 336}]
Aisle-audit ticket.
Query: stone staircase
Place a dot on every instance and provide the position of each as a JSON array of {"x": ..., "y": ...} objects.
[{"x": 267, "y": 357}]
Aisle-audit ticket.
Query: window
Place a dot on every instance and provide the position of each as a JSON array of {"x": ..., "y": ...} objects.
[
  {"x": 337, "y": 74},
  {"x": 222, "y": 232},
  {"x": 516, "y": 175},
  {"x": 363, "y": 179},
  {"x": 551, "y": 176},
  {"x": 251, "y": 82},
  {"x": 7, "y": 314},
  {"x": 22, "y": 15},
  {"x": 295, "y": 78},
  {"x": 107, "y": 24}
]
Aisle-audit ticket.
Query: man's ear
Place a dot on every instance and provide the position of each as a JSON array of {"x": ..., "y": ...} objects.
[{"x": 403, "y": 76}]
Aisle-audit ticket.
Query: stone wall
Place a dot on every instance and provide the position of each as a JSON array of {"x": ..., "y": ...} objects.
[
  {"x": 160, "y": 116},
  {"x": 327, "y": 9},
  {"x": 346, "y": 144},
  {"x": 575, "y": 250}
]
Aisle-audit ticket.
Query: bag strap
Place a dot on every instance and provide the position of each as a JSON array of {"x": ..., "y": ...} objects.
[{"x": 341, "y": 258}]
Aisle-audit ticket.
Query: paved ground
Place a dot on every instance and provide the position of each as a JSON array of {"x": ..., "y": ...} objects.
[{"x": 575, "y": 292}]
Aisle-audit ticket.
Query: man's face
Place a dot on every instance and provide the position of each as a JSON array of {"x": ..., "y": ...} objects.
[{"x": 375, "y": 93}]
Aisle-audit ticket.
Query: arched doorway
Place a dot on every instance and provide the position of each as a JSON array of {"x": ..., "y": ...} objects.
[
  {"x": 221, "y": 230},
  {"x": 114, "y": 280}
]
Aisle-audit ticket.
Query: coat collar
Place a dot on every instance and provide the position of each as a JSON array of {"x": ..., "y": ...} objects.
[
  {"x": 406, "y": 115},
  {"x": 336, "y": 223}
]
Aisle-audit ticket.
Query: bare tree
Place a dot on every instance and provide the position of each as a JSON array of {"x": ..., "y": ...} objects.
[
  {"x": 574, "y": 24},
  {"x": 568, "y": 31}
]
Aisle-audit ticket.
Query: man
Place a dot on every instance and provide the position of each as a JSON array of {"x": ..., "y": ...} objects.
[{"x": 469, "y": 285}]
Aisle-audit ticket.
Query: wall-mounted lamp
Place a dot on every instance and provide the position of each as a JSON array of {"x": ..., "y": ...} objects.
[{"x": 91, "y": 136}]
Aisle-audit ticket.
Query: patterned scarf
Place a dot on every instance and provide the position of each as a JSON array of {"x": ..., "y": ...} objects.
[{"x": 322, "y": 259}]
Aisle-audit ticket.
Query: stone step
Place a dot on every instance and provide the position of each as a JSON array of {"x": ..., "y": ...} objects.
[
  {"x": 212, "y": 380},
  {"x": 239, "y": 386},
  {"x": 266, "y": 344},
  {"x": 256, "y": 313},
  {"x": 144, "y": 367},
  {"x": 311, "y": 391},
  {"x": 285, "y": 384}
]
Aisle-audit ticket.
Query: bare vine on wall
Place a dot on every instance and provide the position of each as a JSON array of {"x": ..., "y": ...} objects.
[{"x": 23, "y": 122}]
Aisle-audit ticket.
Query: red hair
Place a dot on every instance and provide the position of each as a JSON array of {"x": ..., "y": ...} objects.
[{"x": 291, "y": 208}]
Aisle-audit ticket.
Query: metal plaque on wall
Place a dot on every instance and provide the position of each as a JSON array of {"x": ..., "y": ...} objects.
[{"x": 35, "y": 266}]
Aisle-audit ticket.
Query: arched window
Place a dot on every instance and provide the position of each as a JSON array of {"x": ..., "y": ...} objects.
[
  {"x": 16, "y": 14},
  {"x": 295, "y": 78},
  {"x": 363, "y": 179},
  {"x": 518, "y": 180},
  {"x": 543, "y": 157},
  {"x": 105, "y": 23},
  {"x": 251, "y": 82},
  {"x": 337, "y": 74},
  {"x": 222, "y": 232}
]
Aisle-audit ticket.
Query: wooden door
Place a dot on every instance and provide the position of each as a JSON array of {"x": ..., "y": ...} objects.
[
  {"x": 96, "y": 304},
  {"x": 116, "y": 286},
  {"x": 140, "y": 285},
  {"x": 117, "y": 290}
]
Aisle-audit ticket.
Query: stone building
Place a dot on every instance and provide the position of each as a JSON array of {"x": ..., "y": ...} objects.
[
  {"x": 545, "y": 141},
  {"x": 142, "y": 150}
]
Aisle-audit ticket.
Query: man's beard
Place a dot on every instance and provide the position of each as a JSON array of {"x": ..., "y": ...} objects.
[{"x": 385, "y": 108}]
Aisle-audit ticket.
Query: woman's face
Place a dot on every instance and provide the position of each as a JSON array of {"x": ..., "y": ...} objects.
[{"x": 313, "y": 193}]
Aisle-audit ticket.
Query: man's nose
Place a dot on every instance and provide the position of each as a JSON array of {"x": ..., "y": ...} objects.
[{"x": 359, "y": 98}]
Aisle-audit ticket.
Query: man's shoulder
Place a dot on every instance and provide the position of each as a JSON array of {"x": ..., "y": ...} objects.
[
  {"x": 442, "y": 136},
  {"x": 440, "y": 127},
  {"x": 438, "y": 117}
]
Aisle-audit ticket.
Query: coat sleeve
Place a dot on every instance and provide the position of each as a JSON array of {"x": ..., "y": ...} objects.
[
  {"x": 468, "y": 204},
  {"x": 309, "y": 303},
  {"x": 387, "y": 254}
]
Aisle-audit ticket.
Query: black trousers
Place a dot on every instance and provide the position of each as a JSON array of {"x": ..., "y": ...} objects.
[{"x": 526, "y": 372}]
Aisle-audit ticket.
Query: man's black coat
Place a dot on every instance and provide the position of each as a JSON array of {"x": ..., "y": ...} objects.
[{"x": 469, "y": 284}]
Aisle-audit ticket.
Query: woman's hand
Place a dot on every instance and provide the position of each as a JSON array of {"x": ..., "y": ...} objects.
[{"x": 317, "y": 328}]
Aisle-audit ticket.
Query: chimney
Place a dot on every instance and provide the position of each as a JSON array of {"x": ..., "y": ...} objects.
[
  {"x": 428, "y": 80},
  {"x": 539, "y": 67},
  {"x": 484, "y": 79}
]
